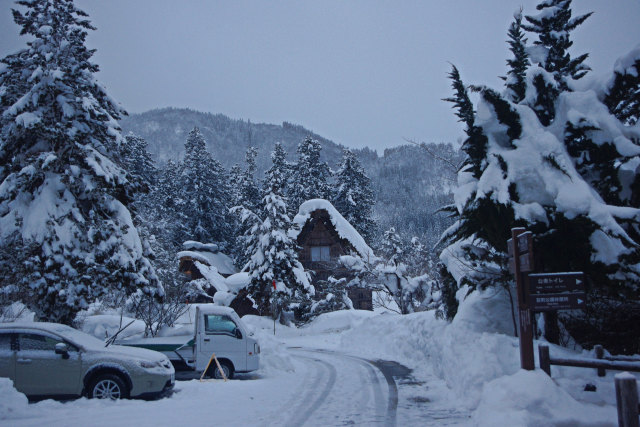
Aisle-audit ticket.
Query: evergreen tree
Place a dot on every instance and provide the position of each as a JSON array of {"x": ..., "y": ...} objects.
[
  {"x": 553, "y": 26},
  {"x": 353, "y": 196},
  {"x": 393, "y": 248},
  {"x": 206, "y": 188},
  {"x": 249, "y": 189},
  {"x": 623, "y": 94},
  {"x": 475, "y": 145},
  {"x": 137, "y": 161},
  {"x": 236, "y": 175},
  {"x": 275, "y": 258},
  {"x": 309, "y": 176},
  {"x": 63, "y": 196},
  {"x": 571, "y": 184},
  {"x": 246, "y": 194},
  {"x": 518, "y": 65}
]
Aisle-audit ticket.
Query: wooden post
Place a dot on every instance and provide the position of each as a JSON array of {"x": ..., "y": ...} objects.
[
  {"x": 526, "y": 327},
  {"x": 627, "y": 400},
  {"x": 599, "y": 355},
  {"x": 545, "y": 360}
]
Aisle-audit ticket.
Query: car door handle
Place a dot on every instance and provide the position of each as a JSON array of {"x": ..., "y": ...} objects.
[
  {"x": 24, "y": 361},
  {"x": 207, "y": 340}
]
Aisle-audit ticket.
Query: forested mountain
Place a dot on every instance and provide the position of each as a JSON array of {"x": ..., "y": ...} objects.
[
  {"x": 410, "y": 182},
  {"x": 227, "y": 139}
]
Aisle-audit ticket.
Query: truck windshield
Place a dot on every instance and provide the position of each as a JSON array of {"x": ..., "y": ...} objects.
[{"x": 218, "y": 324}]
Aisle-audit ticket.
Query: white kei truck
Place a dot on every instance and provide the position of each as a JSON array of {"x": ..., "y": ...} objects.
[{"x": 219, "y": 331}]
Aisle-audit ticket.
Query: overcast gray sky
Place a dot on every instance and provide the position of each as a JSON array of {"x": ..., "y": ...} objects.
[{"x": 362, "y": 73}]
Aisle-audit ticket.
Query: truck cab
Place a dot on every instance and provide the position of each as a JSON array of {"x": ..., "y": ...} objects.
[{"x": 220, "y": 330}]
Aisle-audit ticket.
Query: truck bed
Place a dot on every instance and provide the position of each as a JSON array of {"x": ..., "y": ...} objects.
[{"x": 170, "y": 346}]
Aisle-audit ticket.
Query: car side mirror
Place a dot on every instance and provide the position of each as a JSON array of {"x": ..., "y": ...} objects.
[
  {"x": 238, "y": 334},
  {"x": 61, "y": 348}
]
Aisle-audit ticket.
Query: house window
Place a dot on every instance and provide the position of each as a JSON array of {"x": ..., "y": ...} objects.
[{"x": 319, "y": 253}]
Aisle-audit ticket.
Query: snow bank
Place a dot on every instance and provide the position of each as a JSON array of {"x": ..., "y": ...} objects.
[
  {"x": 477, "y": 358},
  {"x": 274, "y": 357},
  {"x": 103, "y": 326},
  {"x": 13, "y": 404},
  {"x": 531, "y": 398}
]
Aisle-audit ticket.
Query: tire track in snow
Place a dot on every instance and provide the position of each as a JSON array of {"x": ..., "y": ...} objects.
[
  {"x": 383, "y": 416},
  {"x": 303, "y": 412}
]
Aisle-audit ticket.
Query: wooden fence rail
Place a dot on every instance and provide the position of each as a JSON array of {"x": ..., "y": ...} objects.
[
  {"x": 600, "y": 364},
  {"x": 626, "y": 384}
]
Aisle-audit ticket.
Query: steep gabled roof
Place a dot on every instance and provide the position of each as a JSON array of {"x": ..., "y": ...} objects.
[
  {"x": 344, "y": 229},
  {"x": 208, "y": 254}
]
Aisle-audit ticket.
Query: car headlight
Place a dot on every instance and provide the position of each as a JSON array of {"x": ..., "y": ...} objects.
[{"x": 148, "y": 365}]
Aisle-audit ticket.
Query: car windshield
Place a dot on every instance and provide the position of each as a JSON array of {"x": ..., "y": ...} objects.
[{"x": 78, "y": 337}]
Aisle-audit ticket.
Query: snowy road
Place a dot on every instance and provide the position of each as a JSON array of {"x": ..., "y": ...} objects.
[
  {"x": 320, "y": 388},
  {"x": 342, "y": 390}
]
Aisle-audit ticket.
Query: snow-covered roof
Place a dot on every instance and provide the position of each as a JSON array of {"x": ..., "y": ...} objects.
[
  {"x": 343, "y": 227},
  {"x": 223, "y": 263},
  {"x": 237, "y": 281},
  {"x": 192, "y": 245}
]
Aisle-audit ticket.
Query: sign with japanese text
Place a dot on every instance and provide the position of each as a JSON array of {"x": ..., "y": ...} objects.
[
  {"x": 551, "y": 302},
  {"x": 543, "y": 283}
]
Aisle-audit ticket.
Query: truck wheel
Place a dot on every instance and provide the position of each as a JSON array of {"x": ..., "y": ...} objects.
[
  {"x": 108, "y": 386},
  {"x": 227, "y": 368}
]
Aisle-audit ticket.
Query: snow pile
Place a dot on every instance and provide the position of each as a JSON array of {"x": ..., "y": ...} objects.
[
  {"x": 477, "y": 357},
  {"x": 344, "y": 229},
  {"x": 13, "y": 404},
  {"x": 103, "y": 326},
  {"x": 16, "y": 312},
  {"x": 274, "y": 357},
  {"x": 531, "y": 398}
]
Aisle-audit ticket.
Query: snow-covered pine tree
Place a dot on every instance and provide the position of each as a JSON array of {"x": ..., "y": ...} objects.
[
  {"x": 353, "y": 196},
  {"x": 554, "y": 68},
  {"x": 249, "y": 188},
  {"x": 515, "y": 80},
  {"x": 310, "y": 175},
  {"x": 568, "y": 183},
  {"x": 205, "y": 186},
  {"x": 475, "y": 144},
  {"x": 275, "y": 256},
  {"x": 623, "y": 91},
  {"x": 137, "y": 161},
  {"x": 63, "y": 198},
  {"x": 246, "y": 195}
]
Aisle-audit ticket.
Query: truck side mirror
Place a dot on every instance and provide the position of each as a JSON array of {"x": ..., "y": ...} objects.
[
  {"x": 238, "y": 334},
  {"x": 61, "y": 348}
]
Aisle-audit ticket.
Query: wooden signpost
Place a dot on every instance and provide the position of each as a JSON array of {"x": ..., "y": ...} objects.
[
  {"x": 539, "y": 291},
  {"x": 521, "y": 257}
]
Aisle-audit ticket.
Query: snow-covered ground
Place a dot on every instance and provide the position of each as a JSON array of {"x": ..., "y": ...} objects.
[{"x": 338, "y": 370}]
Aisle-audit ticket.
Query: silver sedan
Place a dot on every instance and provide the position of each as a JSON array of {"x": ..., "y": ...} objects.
[{"x": 54, "y": 360}]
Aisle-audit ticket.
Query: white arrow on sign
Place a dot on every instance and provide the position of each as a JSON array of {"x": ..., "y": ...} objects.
[
  {"x": 578, "y": 281},
  {"x": 580, "y": 301}
]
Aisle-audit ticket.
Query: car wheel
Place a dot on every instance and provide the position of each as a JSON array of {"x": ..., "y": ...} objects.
[
  {"x": 226, "y": 368},
  {"x": 108, "y": 386}
]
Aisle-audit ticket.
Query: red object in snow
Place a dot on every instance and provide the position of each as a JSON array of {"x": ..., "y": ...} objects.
[{"x": 274, "y": 285}]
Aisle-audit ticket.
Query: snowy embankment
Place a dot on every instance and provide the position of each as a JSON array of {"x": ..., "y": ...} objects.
[
  {"x": 476, "y": 357},
  {"x": 468, "y": 368}
]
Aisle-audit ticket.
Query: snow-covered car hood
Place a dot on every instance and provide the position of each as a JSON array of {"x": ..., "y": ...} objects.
[{"x": 134, "y": 352}]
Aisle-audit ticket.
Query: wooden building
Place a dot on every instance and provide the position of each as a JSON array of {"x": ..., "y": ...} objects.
[
  {"x": 205, "y": 261},
  {"x": 323, "y": 235}
]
